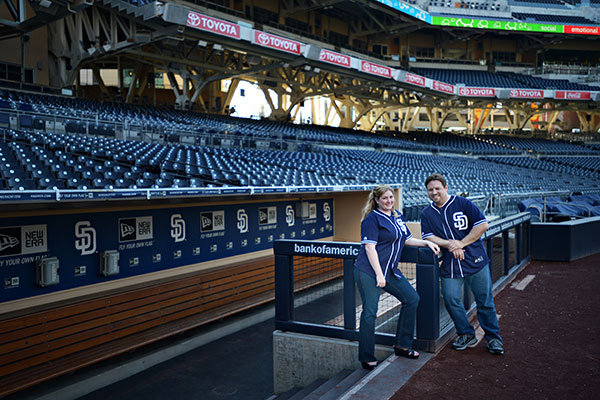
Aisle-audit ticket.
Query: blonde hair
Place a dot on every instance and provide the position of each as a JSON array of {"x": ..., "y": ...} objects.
[{"x": 371, "y": 204}]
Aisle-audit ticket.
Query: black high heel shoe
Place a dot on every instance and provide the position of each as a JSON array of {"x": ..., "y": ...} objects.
[
  {"x": 367, "y": 366},
  {"x": 408, "y": 353}
]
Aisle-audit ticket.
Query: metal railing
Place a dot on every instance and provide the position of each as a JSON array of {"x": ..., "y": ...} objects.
[
  {"x": 504, "y": 204},
  {"x": 507, "y": 243}
]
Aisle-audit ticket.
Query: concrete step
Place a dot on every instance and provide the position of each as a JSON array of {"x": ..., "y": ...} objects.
[
  {"x": 339, "y": 389},
  {"x": 286, "y": 395},
  {"x": 328, "y": 385},
  {"x": 308, "y": 389}
]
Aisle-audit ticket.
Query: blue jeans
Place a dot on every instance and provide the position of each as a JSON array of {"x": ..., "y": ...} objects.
[
  {"x": 481, "y": 286},
  {"x": 369, "y": 293}
]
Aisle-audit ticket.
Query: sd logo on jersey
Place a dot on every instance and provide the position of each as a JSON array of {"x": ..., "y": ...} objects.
[
  {"x": 461, "y": 222},
  {"x": 402, "y": 226}
]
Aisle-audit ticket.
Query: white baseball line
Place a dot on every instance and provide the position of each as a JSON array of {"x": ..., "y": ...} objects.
[{"x": 522, "y": 284}]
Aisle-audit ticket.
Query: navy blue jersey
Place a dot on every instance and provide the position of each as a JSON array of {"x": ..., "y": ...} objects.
[
  {"x": 454, "y": 220},
  {"x": 388, "y": 234}
]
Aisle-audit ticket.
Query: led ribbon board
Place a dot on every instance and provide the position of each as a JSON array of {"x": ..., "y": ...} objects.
[
  {"x": 476, "y": 23},
  {"x": 499, "y": 25}
]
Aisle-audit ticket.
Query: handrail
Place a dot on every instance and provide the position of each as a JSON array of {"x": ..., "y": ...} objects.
[
  {"x": 19, "y": 196},
  {"x": 429, "y": 333}
]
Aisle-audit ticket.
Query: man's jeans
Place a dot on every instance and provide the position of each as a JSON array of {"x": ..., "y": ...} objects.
[
  {"x": 481, "y": 286},
  {"x": 369, "y": 293}
]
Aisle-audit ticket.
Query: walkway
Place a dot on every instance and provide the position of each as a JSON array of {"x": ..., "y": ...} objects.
[{"x": 550, "y": 322}]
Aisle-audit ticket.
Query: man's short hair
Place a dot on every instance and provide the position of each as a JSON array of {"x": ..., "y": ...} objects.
[{"x": 436, "y": 177}]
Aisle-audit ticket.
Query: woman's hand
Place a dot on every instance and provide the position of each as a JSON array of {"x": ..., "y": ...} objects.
[
  {"x": 434, "y": 247},
  {"x": 380, "y": 280}
]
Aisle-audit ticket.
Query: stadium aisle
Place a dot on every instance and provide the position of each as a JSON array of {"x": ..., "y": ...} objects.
[{"x": 550, "y": 322}]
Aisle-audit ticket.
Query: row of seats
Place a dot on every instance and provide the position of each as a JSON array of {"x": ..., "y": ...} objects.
[
  {"x": 83, "y": 116},
  {"x": 40, "y": 160},
  {"x": 472, "y": 5},
  {"x": 539, "y": 3},
  {"x": 510, "y": 80},
  {"x": 553, "y": 18},
  {"x": 548, "y": 164},
  {"x": 586, "y": 163},
  {"x": 540, "y": 146}
]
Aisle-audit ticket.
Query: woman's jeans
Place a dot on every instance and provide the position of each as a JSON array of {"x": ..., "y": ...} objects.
[
  {"x": 369, "y": 292},
  {"x": 481, "y": 286}
]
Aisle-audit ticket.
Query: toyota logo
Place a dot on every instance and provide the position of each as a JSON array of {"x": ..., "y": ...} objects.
[
  {"x": 263, "y": 38},
  {"x": 193, "y": 19},
  {"x": 367, "y": 67}
]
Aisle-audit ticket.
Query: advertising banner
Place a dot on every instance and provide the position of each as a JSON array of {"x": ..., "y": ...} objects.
[
  {"x": 481, "y": 23},
  {"x": 443, "y": 87},
  {"x": 407, "y": 9},
  {"x": 335, "y": 58},
  {"x": 148, "y": 240},
  {"x": 572, "y": 95},
  {"x": 526, "y": 94},
  {"x": 415, "y": 79},
  {"x": 276, "y": 42},
  {"x": 375, "y": 69},
  {"x": 214, "y": 25},
  {"x": 474, "y": 23},
  {"x": 476, "y": 92},
  {"x": 582, "y": 30}
]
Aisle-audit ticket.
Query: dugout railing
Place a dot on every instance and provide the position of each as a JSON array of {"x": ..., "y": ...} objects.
[{"x": 336, "y": 307}]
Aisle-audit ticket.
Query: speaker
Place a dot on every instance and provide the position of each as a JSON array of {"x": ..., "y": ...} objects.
[
  {"x": 503, "y": 93},
  {"x": 312, "y": 52}
]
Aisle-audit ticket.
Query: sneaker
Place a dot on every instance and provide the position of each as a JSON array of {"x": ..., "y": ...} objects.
[
  {"x": 495, "y": 346},
  {"x": 464, "y": 341}
]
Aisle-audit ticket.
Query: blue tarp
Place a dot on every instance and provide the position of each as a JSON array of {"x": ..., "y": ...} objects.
[
  {"x": 578, "y": 209},
  {"x": 590, "y": 199}
]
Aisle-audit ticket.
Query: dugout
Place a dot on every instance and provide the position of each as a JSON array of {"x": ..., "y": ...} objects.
[{"x": 90, "y": 275}]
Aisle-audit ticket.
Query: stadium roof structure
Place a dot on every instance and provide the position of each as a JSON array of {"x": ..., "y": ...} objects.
[{"x": 206, "y": 43}]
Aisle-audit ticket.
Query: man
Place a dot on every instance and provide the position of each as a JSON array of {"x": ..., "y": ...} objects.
[{"x": 456, "y": 224}]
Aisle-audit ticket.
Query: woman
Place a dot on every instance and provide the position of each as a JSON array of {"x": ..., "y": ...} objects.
[{"x": 384, "y": 233}]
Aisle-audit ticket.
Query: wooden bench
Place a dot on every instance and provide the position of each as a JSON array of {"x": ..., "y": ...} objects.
[{"x": 38, "y": 345}]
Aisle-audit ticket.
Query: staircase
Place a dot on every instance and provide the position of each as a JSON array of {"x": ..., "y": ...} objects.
[
  {"x": 145, "y": 11},
  {"x": 322, "y": 389}
]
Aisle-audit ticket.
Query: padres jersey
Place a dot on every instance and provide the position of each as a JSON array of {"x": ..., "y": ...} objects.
[
  {"x": 454, "y": 220},
  {"x": 388, "y": 234}
]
